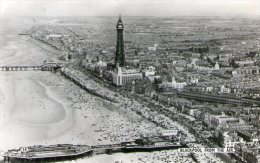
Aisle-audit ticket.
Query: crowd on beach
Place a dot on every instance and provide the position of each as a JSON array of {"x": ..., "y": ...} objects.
[
  {"x": 117, "y": 125},
  {"x": 145, "y": 157},
  {"x": 126, "y": 103},
  {"x": 113, "y": 123}
]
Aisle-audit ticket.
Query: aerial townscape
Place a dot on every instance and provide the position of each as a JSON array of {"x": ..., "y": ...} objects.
[{"x": 127, "y": 89}]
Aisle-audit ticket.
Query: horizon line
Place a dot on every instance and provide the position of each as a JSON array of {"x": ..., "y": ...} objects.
[{"x": 226, "y": 15}]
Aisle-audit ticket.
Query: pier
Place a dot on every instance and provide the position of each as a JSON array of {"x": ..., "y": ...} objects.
[
  {"x": 44, "y": 67},
  {"x": 58, "y": 152},
  {"x": 46, "y": 153},
  {"x": 20, "y": 68}
]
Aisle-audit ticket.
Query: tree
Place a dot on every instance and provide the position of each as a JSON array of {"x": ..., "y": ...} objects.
[
  {"x": 143, "y": 86},
  {"x": 157, "y": 81}
]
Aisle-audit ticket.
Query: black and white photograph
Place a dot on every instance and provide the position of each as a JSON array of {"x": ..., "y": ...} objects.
[{"x": 129, "y": 81}]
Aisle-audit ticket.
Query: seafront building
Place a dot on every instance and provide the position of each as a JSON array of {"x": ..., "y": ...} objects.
[
  {"x": 150, "y": 73},
  {"x": 123, "y": 75},
  {"x": 174, "y": 84}
]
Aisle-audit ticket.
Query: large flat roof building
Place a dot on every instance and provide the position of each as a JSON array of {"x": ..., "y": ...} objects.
[
  {"x": 123, "y": 75},
  {"x": 223, "y": 120}
]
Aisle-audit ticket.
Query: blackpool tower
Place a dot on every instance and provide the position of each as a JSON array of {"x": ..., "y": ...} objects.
[{"x": 120, "y": 55}]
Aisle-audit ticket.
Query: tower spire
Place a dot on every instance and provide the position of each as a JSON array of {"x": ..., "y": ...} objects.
[{"x": 120, "y": 56}]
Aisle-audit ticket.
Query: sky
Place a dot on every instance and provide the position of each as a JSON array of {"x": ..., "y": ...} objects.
[{"x": 129, "y": 7}]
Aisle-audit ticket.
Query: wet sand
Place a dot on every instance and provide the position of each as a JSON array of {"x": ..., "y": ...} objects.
[{"x": 30, "y": 109}]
